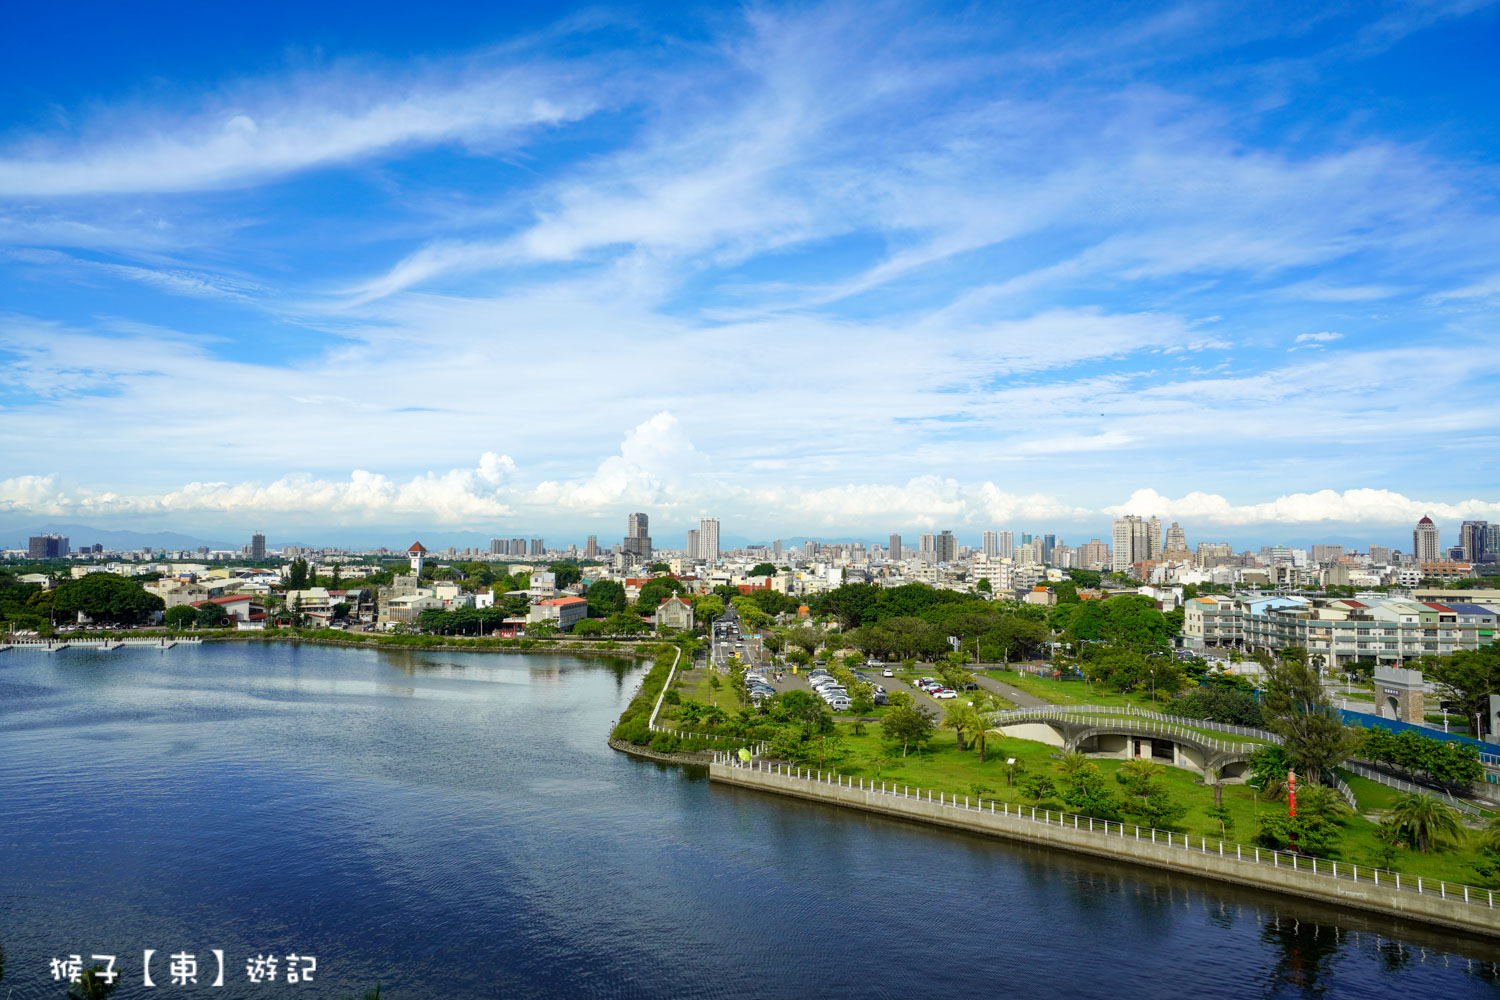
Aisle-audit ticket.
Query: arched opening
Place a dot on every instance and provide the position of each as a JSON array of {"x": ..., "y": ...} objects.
[{"x": 1391, "y": 709}]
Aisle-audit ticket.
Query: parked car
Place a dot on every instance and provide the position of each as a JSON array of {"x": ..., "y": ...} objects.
[
  {"x": 944, "y": 693},
  {"x": 888, "y": 672},
  {"x": 840, "y": 704},
  {"x": 881, "y": 698}
]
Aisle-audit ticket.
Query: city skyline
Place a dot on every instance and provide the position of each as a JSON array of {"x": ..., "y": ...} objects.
[{"x": 977, "y": 299}]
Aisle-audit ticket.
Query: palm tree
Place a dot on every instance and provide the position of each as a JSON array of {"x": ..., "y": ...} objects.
[
  {"x": 1425, "y": 821},
  {"x": 1138, "y": 773},
  {"x": 1489, "y": 837},
  {"x": 1072, "y": 762},
  {"x": 961, "y": 719}
]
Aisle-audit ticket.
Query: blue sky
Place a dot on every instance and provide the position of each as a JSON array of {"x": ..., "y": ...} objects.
[{"x": 817, "y": 269}]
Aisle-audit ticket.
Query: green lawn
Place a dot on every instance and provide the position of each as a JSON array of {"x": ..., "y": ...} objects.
[
  {"x": 1070, "y": 692},
  {"x": 943, "y": 767}
]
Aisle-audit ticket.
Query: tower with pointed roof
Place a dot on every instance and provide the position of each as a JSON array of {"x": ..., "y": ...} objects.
[
  {"x": 415, "y": 554},
  {"x": 1425, "y": 544}
]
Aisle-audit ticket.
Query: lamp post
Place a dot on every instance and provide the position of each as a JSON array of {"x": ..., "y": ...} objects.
[{"x": 1291, "y": 806}]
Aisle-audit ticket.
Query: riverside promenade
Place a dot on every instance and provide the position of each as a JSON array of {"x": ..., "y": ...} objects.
[{"x": 1445, "y": 904}]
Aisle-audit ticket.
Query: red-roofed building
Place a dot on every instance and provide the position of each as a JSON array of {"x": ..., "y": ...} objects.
[
  {"x": 415, "y": 554},
  {"x": 565, "y": 611},
  {"x": 239, "y": 607}
]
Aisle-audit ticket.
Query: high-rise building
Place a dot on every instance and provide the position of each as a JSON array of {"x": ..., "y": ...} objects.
[
  {"x": 1176, "y": 542},
  {"x": 517, "y": 547},
  {"x": 47, "y": 546},
  {"x": 1425, "y": 545},
  {"x": 1153, "y": 538},
  {"x": 1132, "y": 542},
  {"x": 1049, "y": 543},
  {"x": 990, "y": 545},
  {"x": 1471, "y": 538},
  {"x": 257, "y": 546},
  {"x": 945, "y": 547},
  {"x": 692, "y": 543},
  {"x": 895, "y": 548},
  {"x": 1492, "y": 543},
  {"x": 1006, "y": 547},
  {"x": 1324, "y": 554},
  {"x": 638, "y": 536},
  {"x": 927, "y": 547},
  {"x": 499, "y": 547},
  {"x": 708, "y": 539},
  {"x": 538, "y": 547},
  {"x": 1092, "y": 555},
  {"x": 1380, "y": 555},
  {"x": 591, "y": 548}
]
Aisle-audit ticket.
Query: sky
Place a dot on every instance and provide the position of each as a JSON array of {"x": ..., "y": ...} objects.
[{"x": 829, "y": 270}]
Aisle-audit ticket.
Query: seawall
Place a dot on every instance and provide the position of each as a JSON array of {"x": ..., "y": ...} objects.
[{"x": 1443, "y": 904}]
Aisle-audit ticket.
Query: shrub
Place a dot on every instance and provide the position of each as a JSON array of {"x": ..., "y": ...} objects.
[{"x": 1218, "y": 704}]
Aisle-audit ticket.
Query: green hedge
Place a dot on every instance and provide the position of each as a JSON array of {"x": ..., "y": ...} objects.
[{"x": 635, "y": 720}]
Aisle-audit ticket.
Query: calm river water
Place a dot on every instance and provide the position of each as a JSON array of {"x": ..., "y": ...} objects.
[{"x": 453, "y": 825}]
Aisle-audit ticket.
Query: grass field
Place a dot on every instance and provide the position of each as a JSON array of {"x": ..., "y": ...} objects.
[{"x": 941, "y": 766}]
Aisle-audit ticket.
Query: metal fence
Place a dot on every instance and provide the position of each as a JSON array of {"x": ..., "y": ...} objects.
[
  {"x": 1108, "y": 830},
  {"x": 1372, "y": 774}
]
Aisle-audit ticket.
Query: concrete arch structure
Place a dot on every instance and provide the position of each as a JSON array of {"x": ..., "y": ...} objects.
[{"x": 1117, "y": 737}]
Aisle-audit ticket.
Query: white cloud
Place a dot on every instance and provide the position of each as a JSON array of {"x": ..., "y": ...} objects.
[
  {"x": 262, "y": 132},
  {"x": 1318, "y": 338},
  {"x": 656, "y": 459},
  {"x": 1360, "y": 506}
]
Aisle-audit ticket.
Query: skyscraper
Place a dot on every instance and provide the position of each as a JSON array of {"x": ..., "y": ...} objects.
[
  {"x": 257, "y": 546},
  {"x": 990, "y": 545},
  {"x": 945, "y": 547},
  {"x": 538, "y": 547},
  {"x": 1153, "y": 538},
  {"x": 499, "y": 547},
  {"x": 776, "y": 551},
  {"x": 47, "y": 546},
  {"x": 1472, "y": 537},
  {"x": 927, "y": 547},
  {"x": 591, "y": 549},
  {"x": 517, "y": 547},
  {"x": 1176, "y": 543},
  {"x": 1425, "y": 545},
  {"x": 708, "y": 539},
  {"x": 638, "y": 536},
  {"x": 1132, "y": 542},
  {"x": 692, "y": 543},
  {"x": 1006, "y": 547},
  {"x": 1049, "y": 542},
  {"x": 895, "y": 548}
]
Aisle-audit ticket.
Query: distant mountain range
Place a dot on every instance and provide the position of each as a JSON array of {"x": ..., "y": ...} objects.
[{"x": 79, "y": 535}]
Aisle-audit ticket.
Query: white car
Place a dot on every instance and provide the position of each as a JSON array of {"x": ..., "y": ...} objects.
[
  {"x": 944, "y": 693},
  {"x": 888, "y": 672}
]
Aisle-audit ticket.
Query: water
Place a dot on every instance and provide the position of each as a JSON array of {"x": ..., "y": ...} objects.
[{"x": 453, "y": 825}]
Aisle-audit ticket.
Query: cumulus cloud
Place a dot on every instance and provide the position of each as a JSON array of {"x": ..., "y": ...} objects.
[
  {"x": 1362, "y": 506},
  {"x": 1318, "y": 338},
  {"x": 655, "y": 461},
  {"x": 447, "y": 498}
]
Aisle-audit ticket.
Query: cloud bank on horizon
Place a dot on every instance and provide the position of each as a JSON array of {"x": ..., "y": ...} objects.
[{"x": 835, "y": 268}]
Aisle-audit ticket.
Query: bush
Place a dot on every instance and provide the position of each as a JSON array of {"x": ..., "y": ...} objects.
[
  {"x": 1219, "y": 704},
  {"x": 672, "y": 698},
  {"x": 665, "y": 743}
]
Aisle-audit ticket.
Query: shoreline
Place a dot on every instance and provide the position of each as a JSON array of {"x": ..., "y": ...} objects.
[
  {"x": 540, "y": 645},
  {"x": 1430, "y": 910}
]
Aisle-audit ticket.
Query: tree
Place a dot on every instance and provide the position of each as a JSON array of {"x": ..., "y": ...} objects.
[
  {"x": 1084, "y": 789},
  {"x": 588, "y": 626},
  {"x": 1467, "y": 678},
  {"x": 763, "y": 569},
  {"x": 707, "y": 607},
  {"x": 983, "y": 586},
  {"x": 565, "y": 574},
  {"x": 210, "y": 615},
  {"x": 653, "y": 592},
  {"x": 605, "y": 597},
  {"x": 296, "y": 574},
  {"x": 1071, "y": 763},
  {"x": 1297, "y": 710},
  {"x": 182, "y": 616},
  {"x": 340, "y": 611},
  {"x": 624, "y": 623},
  {"x": 962, "y": 718},
  {"x": 92, "y": 985},
  {"x": 1223, "y": 816},
  {"x": 1037, "y": 787},
  {"x": 106, "y": 597},
  {"x": 906, "y": 724},
  {"x": 1425, "y": 822}
]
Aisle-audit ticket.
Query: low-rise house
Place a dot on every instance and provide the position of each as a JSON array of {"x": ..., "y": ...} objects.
[
  {"x": 674, "y": 612},
  {"x": 565, "y": 611}
]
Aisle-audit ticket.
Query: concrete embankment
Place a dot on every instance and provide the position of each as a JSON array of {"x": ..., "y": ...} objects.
[
  {"x": 1443, "y": 904},
  {"x": 646, "y": 753}
]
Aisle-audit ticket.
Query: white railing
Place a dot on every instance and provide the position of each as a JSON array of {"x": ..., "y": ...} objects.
[
  {"x": 651, "y": 722},
  {"x": 1342, "y": 787},
  {"x": 1130, "y": 722},
  {"x": 1399, "y": 784},
  {"x": 1109, "y": 830},
  {"x": 1180, "y": 720}
]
